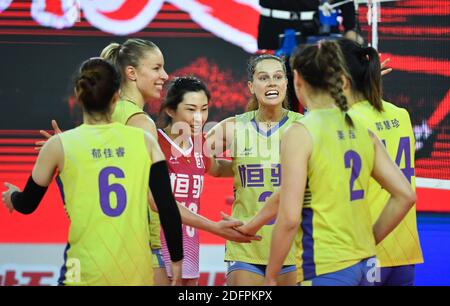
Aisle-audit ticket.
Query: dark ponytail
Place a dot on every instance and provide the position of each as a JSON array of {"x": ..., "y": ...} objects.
[
  {"x": 372, "y": 79},
  {"x": 365, "y": 68},
  {"x": 96, "y": 83}
]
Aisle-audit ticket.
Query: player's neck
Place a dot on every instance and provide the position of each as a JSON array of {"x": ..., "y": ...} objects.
[
  {"x": 268, "y": 116},
  {"x": 96, "y": 119},
  {"x": 355, "y": 97},
  {"x": 133, "y": 95},
  {"x": 270, "y": 113},
  {"x": 320, "y": 101}
]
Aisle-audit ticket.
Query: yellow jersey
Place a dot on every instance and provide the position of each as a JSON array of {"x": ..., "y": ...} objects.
[
  {"x": 257, "y": 174},
  {"x": 393, "y": 127},
  {"x": 336, "y": 227},
  {"x": 124, "y": 110},
  {"x": 105, "y": 196}
]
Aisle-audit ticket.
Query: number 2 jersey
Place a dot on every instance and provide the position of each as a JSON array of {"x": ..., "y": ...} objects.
[
  {"x": 257, "y": 174},
  {"x": 105, "y": 197},
  {"x": 336, "y": 226},
  {"x": 187, "y": 169},
  {"x": 393, "y": 127}
]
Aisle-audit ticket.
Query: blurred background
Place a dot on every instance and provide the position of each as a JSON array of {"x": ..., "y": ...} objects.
[{"x": 42, "y": 42}]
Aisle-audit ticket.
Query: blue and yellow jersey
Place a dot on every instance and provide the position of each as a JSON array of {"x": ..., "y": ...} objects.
[
  {"x": 393, "y": 127},
  {"x": 105, "y": 196},
  {"x": 122, "y": 113},
  {"x": 336, "y": 227},
  {"x": 257, "y": 174}
]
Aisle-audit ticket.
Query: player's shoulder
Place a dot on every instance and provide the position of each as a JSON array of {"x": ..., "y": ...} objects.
[
  {"x": 163, "y": 139},
  {"x": 294, "y": 116},
  {"x": 225, "y": 127},
  {"x": 297, "y": 130},
  {"x": 128, "y": 105},
  {"x": 129, "y": 129},
  {"x": 244, "y": 117},
  {"x": 391, "y": 107},
  {"x": 395, "y": 110}
]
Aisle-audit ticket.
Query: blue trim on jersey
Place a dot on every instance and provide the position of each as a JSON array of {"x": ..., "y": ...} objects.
[
  {"x": 62, "y": 272},
  {"x": 257, "y": 269},
  {"x": 61, "y": 188},
  {"x": 309, "y": 267},
  {"x": 272, "y": 130},
  {"x": 159, "y": 256}
]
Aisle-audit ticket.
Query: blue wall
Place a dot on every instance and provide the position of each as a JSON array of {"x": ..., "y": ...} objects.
[{"x": 434, "y": 231}]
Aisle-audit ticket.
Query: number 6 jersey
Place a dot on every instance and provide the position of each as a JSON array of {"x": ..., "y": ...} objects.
[{"x": 105, "y": 196}]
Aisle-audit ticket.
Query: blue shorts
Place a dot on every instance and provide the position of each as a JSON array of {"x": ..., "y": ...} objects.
[
  {"x": 397, "y": 276},
  {"x": 361, "y": 274},
  {"x": 258, "y": 269},
  {"x": 157, "y": 259}
]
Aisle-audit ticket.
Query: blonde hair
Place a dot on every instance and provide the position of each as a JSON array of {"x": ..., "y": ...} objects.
[{"x": 127, "y": 54}]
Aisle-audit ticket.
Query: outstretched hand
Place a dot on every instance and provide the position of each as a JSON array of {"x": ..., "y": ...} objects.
[
  {"x": 227, "y": 230},
  {"x": 6, "y": 196},
  {"x": 229, "y": 218},
  {"x": 240, "y": 227},
  {"x": 56, "y": 130},
  {"x": 385, "y": 70}
]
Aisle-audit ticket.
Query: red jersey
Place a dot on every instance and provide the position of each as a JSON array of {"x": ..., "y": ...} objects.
[{"x": 186, "y": 170}]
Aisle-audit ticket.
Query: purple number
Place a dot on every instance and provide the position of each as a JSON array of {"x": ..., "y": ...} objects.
[
  {"x": 404, "y": 147},
  {"x": 105, "y": 190},
  {"x": 353, "y": 161},
  {"x": 262, "y": 199}
]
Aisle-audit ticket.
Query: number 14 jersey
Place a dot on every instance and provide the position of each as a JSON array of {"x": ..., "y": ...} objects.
[{"x": 393, "y": 127}]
